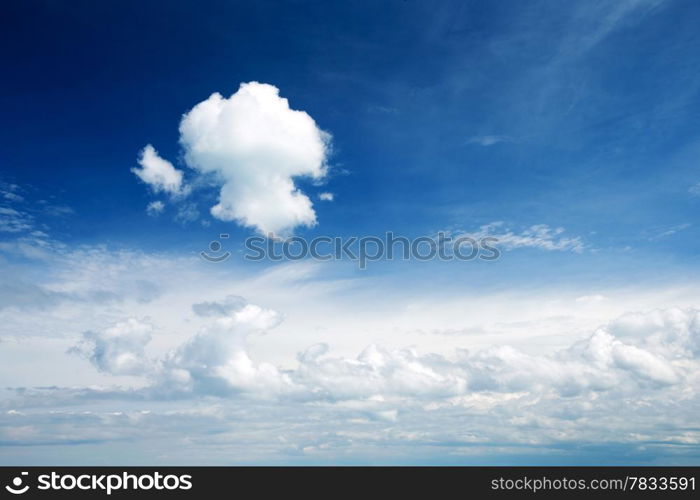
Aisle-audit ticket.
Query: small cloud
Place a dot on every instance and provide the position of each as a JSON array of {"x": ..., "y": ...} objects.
[
  {"x": 9, "y": 196},
  {"x": 326, "y": 196},
  {"x": 12, "y": 221},
  {"x": 58, "y": 210},
  {"x": 539, "y": 236},
  {"x": 489, "y": 140},
  {"x": 159, "y": 173},
  {"x": 187, "y": 213},
  {"x": 10, "y": 192},
  {"x": 155, "y": 208},
  {"x": 661, "y": 232},
  {"x": 695, "y": 189}
]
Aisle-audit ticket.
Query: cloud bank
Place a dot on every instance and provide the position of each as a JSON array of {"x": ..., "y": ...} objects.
[
  {"x": 637, "y": 352},
  {"x": 629, "y": 387}
]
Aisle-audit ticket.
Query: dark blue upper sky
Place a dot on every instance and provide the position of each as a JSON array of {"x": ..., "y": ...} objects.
[{"x": 446, "y": 114}]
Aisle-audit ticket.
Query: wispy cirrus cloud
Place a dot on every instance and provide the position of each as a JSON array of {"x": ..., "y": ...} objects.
[
  {"x": 155, "y": 208},
  {"x": 541, "y": 236},
  {"x": 15, "y": 221}
]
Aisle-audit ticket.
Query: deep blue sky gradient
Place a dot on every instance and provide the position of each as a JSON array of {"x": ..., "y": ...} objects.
[{"x": 600, "y": 129}]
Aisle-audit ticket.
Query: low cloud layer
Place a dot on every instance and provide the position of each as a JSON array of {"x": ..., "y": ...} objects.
[
  {"x": 629, "y": 387},
  {"x": 181, "y": 361},
  {"x": 638, "y": 352}
]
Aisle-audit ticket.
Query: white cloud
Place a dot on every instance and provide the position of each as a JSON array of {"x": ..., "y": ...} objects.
[
  {"x": 255, "y": 145},
  {"x": 599, "y": 363},
  {"x": 630, "y": 384},
  {"x": 326, "y": 196},
  {"x": 159, "y": 173},
  {"x": 539, "y": 236},
  {"x": 10, "y": 192},
  {"x": 674, "y": 332},
  {"x": 216, "y": 359},
  {"x": 155, "y": 207},
  {"x": 10, "y": 196},
  {"x": 663, "y": 352},
  {"x": 118, "y": 350},
  {"x": 13, "y": 221},
  {"x": 660, "y": 232}
]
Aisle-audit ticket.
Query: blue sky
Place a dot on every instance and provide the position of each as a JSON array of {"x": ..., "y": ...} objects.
[
  {"x": 441, "y": 116},
  {"x": 594, "y": 116}
]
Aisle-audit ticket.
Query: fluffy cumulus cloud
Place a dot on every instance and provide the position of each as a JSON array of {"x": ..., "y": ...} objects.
[
  {"x": 216, "y": 361},
  {"x": 118, "y": 350},
  {"x": 213, "y": 361},
  {"x": 662, "y": 352},
  {"x": 599, "y": 363},
  {"x": 159, "y": 173},
  {"x": 255, "y": 145}
]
